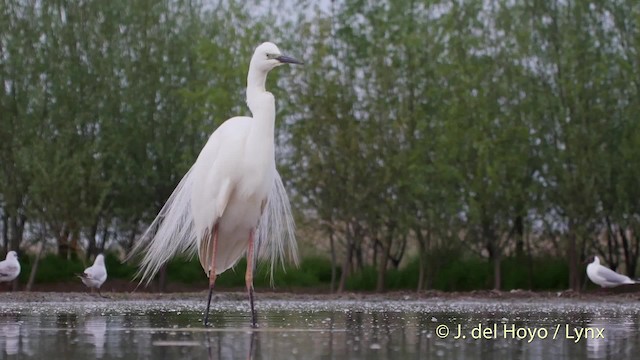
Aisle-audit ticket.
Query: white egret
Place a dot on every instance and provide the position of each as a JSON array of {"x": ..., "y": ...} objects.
[
  {"x": 95, "y": 275},
  {"x": 605, "y": 277},
  {"x": 232, "y": 200},
  {"x": 9, "y": 267}
]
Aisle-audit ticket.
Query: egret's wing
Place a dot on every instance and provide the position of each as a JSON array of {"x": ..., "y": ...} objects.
[
  {"x": 171, "y": 231},
  {"x": 612, "y": 276},
  {"x": 212, "y": 210},
  {"x": 276, "y": 230}
]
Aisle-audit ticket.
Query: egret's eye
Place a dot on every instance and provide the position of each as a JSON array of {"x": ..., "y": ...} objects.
[{"x": 272, "y": 56}]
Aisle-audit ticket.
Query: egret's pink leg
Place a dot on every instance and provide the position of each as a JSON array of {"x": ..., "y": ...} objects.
[
  {"x": 212, "y": 270},
  {"x": 248, "y": 278}
]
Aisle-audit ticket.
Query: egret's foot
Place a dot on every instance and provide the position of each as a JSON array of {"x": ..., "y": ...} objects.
[
  {"x": 205, "y": 322},
  {"x": 254, "y": 320}
]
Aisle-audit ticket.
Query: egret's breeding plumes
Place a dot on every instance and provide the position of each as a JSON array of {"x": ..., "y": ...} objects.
[
  {"x": 605, "y": 277},
  {"x": 9, "y": 267},
  {"x": 232, "y": 200},
  {"x": 95, "y": 275}
]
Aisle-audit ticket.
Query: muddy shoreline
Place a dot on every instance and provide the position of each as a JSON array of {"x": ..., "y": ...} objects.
[{"x": 617, "y": 295}]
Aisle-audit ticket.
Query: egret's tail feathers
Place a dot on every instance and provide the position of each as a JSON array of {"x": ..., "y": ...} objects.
[
  {"x": 276, "y": 230},
  {"x": 170, "y": 233}
]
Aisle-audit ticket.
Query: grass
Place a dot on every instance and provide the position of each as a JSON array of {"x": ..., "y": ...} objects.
[{"x": 456, "y": 274}]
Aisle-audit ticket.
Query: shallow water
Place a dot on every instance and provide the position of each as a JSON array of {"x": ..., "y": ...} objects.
[{"x": 477, "y": 329}]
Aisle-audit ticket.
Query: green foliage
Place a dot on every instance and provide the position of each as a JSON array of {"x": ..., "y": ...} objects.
[
  {"x": 51, "y": 268},
  {"x": 413, "y": 125},
  {"x": 185, "y": 271},
  {"x": 364, "y": 279},
  {"x": 471, "y": 273},
  {"x": 463, "y": 275},
  {"x": 458, "y": 274},
  {"x": 313, "y": 272},
  {"x": 116, "y": 269}
]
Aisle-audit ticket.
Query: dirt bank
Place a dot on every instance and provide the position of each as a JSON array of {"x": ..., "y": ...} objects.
[{"x": 626, "y": 294}]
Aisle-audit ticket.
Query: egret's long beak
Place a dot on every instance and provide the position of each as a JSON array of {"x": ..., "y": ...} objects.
[{"x": 288, "y": 60}]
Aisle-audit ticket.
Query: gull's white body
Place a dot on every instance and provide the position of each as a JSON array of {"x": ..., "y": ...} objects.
[
  {"x": 605, "y": 277},
  {"x": 9, "y": 267},
  {"x": 233, "y": 187},
  {"x": 95, "y": 275}
]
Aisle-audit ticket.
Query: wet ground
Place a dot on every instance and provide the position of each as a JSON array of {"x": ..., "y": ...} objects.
[{"x": 394, "y": 326}]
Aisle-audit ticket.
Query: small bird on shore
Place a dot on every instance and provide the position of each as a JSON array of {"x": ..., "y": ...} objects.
[
  {"x": 605, "y": 277},
  {"x": 95, "y": 275},
  {"x": 9, "y": 267}
]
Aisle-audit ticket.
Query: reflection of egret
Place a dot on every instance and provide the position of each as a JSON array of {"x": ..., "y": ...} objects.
[
  {"x": 232, "y": 195},
  {"x": 96, "y": 328},
  {"x": 228, "y": 349},
  {"x": 11, "y": 335}
]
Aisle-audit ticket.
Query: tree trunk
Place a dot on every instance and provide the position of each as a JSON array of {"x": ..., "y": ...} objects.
[
  {"x": 382, "y": 266},
  {"x": 132, "y": 237},
  {"x": 629, "y": 257},
  {"x": 574, "y": 273},
  {"x": 518, "y": 228},
  {"x": 376, "y": 245},
  {"x": 105, "y": 238},
  {"x": 63, "y": 240},
  {"x": 494, "y": 253},
  {"x": 497, "y": 271},
  {"x": 345, "y": 267},
  {"x": 92, "y": 241},
  {"x": 421, "y": 260},
  {"x": 17, "y": 230},
  {"x": 527, "y": 240},
  {"x": 162, "y": 279},
  {"x": 34, "y": 268},
  {"x": 612, "y": 246},
  {"x": 334, "y": 265},
  {"x": 5, "y": 233}
]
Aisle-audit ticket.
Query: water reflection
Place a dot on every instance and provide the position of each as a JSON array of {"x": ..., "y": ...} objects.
[
  {"x": 11, "y": 337},
  {"x": 96, "y": 329},
  {"x": 347, "y": 331},
  {"x": 234, "y": 345}
]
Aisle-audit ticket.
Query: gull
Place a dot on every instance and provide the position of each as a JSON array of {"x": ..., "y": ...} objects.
[
  {"x": 604, "y": 276},
  {"x": 95, "y": 275},
  {"x": 9, "y": 267}
]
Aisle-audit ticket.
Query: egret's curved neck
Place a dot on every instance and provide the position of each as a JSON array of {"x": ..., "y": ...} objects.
[
  {"x": 256, "y": 78},
  {"x": 262, "y": 106}
]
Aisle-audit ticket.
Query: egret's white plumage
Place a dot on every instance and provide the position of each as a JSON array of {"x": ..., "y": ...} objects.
[
  {"x": 232, "y": 194},
  {"x": 95, "y": 275},
  {"x": 605, "y": 277},
  {"x": 9, "y": 267}
]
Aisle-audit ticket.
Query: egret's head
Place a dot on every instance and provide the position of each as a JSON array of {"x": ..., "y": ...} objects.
[
  {"x": 100, "y": 259},
  {"x": 267, "y": 56},
  {"x": 12, "y": 255}
]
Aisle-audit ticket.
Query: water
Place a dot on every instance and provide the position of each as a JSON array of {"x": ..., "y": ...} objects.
[{"x": 477, "y": 329}]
